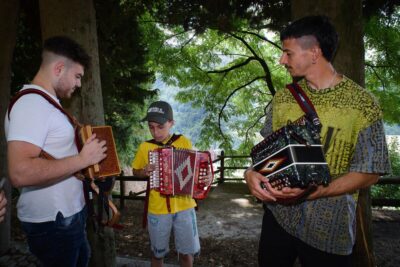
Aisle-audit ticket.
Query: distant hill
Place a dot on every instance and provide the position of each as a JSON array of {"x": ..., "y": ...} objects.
[{"x": 392, "y": 129}]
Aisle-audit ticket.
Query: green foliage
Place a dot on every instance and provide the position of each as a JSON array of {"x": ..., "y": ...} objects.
[
  {"x": 394, "y": 154},
  {"x": 125, "y": 77},
  {"x": 390, "y": 191},
  {"x": 222, "y": 15},
  {"x": 232, "y": 101},
  {"x": 382, "y": 61}
]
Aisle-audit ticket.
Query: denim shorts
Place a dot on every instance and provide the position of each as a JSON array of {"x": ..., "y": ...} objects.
[
  {"x": 184, "y": 226},
  {"x": 62, "y": 242}
]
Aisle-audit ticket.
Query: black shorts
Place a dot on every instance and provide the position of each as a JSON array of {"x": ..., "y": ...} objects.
[{"x": 279, "y": 248}]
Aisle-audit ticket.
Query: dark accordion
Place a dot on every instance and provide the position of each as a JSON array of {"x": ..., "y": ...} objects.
[
  {"x": 181, "y": 172},
  {"x": 292, "y": 156}
]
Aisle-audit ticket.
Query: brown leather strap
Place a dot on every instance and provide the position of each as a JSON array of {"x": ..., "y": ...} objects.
[
  {"x": 168, "y": 200},
  {"x": 75, "y": 124},
  {"x": 146, "y": 204}
]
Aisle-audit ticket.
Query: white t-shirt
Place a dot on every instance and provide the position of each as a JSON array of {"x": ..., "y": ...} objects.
[{"x": 33, "y": 119}]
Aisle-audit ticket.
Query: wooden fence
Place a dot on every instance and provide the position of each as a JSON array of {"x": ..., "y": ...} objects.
[{"x": 221, "y": 172}]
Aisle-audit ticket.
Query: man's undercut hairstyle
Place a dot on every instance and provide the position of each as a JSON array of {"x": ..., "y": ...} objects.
[
  {"x": 65, "y": 46},
  {"x": 318, "y": 26}
]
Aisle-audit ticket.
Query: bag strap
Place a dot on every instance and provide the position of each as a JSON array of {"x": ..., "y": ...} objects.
[{"x": 304, "y": 103}]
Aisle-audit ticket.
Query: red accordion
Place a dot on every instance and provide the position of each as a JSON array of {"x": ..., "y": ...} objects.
[{"x": 181, "y": 172}]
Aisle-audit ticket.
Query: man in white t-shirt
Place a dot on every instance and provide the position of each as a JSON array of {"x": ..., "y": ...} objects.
[{"x": 51, "y": 206}]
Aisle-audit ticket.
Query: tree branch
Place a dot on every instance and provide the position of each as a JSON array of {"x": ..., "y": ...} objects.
[
  {"x": 257, "y": 121},
  {"x": 377, "y": 75},
  {"x": 241, "y": 64},
  {"x": 262, "y": 38},
  {"x": 227, "y": 99},
  {"x": 262, "y": 62}
]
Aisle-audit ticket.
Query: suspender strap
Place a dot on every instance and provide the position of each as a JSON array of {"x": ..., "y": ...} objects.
[
  {"x": 304, "y": 103},
  {"x": 71, "y": 119},
  {"x": 146, "y": 204},
  {"x": 173, "y": 138},
  {"x": 75, "y": 124}
]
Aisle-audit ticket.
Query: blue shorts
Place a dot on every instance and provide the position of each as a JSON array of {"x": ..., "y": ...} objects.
[
  {"x": 62, "y": 242},
  {"x": 183, "y": 224}
]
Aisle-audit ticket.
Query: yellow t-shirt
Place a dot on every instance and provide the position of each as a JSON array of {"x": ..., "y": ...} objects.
[{"x": 158, "y": 202}]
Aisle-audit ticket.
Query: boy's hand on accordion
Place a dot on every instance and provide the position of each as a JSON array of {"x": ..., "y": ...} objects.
[
  {"x": 93, "y": 151},
  {"x": 148, "y": 169}
]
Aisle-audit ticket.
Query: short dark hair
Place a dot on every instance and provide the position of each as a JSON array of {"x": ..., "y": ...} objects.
[
  {"x": 318, "y": 26},
  {"x": 65, "y": 46}
]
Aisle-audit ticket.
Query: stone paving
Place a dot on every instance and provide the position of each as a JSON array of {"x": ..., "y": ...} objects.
[{"x": 19, "y": 256}]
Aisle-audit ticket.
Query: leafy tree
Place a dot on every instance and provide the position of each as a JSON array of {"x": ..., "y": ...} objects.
[
  {"x": 219, "y": 61},
  {"x": 224, "y": 74},
  {"x": 390, "y": 191},
  {"x": 382, "y": 61},
  {"x": 125, "y": 76}
]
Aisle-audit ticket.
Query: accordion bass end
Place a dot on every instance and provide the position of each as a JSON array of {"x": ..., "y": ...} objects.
[
  {"x": 110, "y": 165},
  {"x": 181, "y": 172},
  {"x": 292, "y": 157}
]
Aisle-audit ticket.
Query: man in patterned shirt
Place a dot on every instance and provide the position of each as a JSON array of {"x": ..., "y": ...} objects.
[{"x": 321, "y": 230}]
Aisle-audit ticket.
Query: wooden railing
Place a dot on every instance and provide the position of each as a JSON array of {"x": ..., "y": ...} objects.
[{"x": 221, "y": 172}]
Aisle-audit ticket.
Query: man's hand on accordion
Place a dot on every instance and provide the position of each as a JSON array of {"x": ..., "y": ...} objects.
[
  {"x": 93, "y": 151},
  {"x": 254, "y": 181},
  {"x": 261, "y": 188}
]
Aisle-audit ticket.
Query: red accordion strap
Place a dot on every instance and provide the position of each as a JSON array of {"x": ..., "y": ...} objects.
[{"x": 304, "y": 103}]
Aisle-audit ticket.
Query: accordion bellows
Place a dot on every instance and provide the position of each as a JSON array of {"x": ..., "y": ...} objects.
[
  {"x": 181, "y": 172},
  {"x": 110, "y": 165},
  {"x": 292, "y": 157}
]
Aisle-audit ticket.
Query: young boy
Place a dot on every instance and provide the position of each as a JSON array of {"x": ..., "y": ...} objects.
[{"x": 175, "y": 212}]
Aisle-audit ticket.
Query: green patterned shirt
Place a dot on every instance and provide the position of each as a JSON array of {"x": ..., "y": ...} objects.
[{"x": 353, "y": 139}]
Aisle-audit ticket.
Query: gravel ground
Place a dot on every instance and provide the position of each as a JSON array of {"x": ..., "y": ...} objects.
[{"x": 229, "y": 223}]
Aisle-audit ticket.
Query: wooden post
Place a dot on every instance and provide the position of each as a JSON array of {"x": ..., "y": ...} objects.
[
  {"x": 221, "y": 176},
  {"x": 121, "y": 192},
  {"x": 9, "y": 11}
]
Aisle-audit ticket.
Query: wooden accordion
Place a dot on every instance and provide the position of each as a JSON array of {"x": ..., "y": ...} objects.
[
  {"x": 110, "y": 165},
  {"x": 106, "y": 168},
  {"x": 181, "y": 172},
  {"x": 292, "y": 156}
]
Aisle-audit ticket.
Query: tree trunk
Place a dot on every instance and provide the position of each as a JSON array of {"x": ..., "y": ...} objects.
[
  {"x": 8, "y": 31},
  {"x": 77, "y": 19},
  {"x": 347, "y": 18}
]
